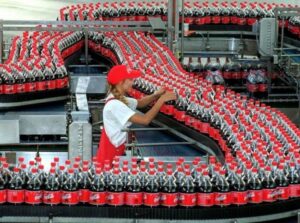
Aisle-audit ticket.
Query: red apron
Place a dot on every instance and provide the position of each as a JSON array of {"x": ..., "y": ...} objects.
[{"x": 106, "y": 150}]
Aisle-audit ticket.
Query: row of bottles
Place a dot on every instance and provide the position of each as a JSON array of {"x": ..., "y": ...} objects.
[
  {"x": 36, "y": 62},
  {"x": 199, "y": 13},
  {"x": 151, "y": 183}
]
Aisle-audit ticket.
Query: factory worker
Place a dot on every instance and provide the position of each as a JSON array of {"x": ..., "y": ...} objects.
[{"x": 119, "y": 111}]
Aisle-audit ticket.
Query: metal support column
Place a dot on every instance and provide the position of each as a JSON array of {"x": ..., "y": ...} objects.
[
  {"x": 1, "y": 41},
  {"x": 182, "y": 33},
  {"x": 171, "y": 23},
  {"x": 86, "y": 47}
]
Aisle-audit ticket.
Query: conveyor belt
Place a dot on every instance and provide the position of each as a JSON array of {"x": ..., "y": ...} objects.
[
  {"x": 254, "y": 213},
  {"x": 165, "y": 150}
]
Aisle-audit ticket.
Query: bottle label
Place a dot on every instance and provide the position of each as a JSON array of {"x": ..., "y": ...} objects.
[
  {"x": 29, "y": 87},
  {"x": 52, "y": 197},
  {"x": 3, "y": 196},
  {"x": 41, "y": 86},
  {"x": 70, "y": 197},
  {"x": 33, "y": 197},
  {"x": 205, "y": 127},
  {"x": 283, "y": 193},
  {"x": 151, "y": 199},
  {"x": 9, "y": 89},
  {"x": 60, "y": 83},
  {"x": 205, "y": 199},
  {"x": 133, "y": 199},
  {"x": 98, "y": 198},
  {"x": 169, "y": 109},
  {"x": 187, "y": 200},
  {"x": 116, "y": 198},
  {"x": 180, "y": 115},
  {"x": 294, "y": 190},
  {"x": 255, "y": 196},
  {"x": 269, "y": 195},
  {"x": 240, "y": 197},
  {"x": 223, "y": 199},
  {"x": 51, "y": 84},
  {"x": 169, "y": 199},
  {"x": 20, "y": 88},
  {"x": 15, "y": 196},
  {"x": 84, "y": 195}
]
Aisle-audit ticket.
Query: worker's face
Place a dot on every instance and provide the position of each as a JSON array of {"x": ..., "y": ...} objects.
[{"x": 127, "y": 84}]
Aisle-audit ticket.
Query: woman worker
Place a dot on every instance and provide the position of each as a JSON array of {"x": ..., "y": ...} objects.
[{"x": 119, "y": 111}]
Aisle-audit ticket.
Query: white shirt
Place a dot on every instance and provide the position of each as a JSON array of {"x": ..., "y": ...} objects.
[{"x": 115, "y": 118}]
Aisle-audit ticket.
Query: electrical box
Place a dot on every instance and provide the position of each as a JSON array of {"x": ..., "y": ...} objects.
[{"x": 267, "y": 36}]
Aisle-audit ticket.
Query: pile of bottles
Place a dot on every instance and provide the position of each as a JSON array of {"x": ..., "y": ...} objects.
[
  {"x": 153, "y": 183},
  {"x": 199, "y": 13}
]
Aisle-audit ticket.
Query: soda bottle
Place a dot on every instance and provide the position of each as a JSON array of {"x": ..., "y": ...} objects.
[
  {"x": 84, "y": 184},
  {"x": 107, "y": 173},
  {"x": 15, "y": 192},
  {"x": 282, "y": 182},
  {"x": 255, "y": 193},
  {"x": 92, "y": 169},
  {"x": 98, "y": 191},
  {"x": 3, "y": 191},
  {"x": 7, "y": 174},
  {"x": 223, "y": 193},
  {"x": 169, "y": 195},
  {"x": 134, "y": 193},
  {"x": 238, "y": 188},
  {"x": 151, "y": 190},
  {"x": 52, "y": 193},
  {"x": 62, "y": 175},
  {"x": 187, "y": 193},
  {"x": 70, "y": 195},
  {"x": 269, "y": 186},
  {"x": 115, "y": 195},
  {"x": 205, "y": 190},
  {"x": 294, "y": 181},
  {"x": 33, "y": 192}
]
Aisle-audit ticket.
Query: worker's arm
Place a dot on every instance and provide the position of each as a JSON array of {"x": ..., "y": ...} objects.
[
  {"x": 145, "y": 119},
  {"x": 147, "y": 100}
]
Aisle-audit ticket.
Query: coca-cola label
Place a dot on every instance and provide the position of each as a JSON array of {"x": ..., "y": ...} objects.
[
  {"x": 33, "y": 197},
  {"x": 20, "y": 88},
  {"x": 84, "y": 195},
  {"x": 187, "y": 200},
  {"x": 41, "y": 86},
  {"x": 205, "y": 199},
  {"x": 29, "y": 87},
  {"x": 169, "y": 109},
  {"x": 294, "y": 190},
  {"x": 169, "y": 199},
  {"x": 70, "y": 197},
  {"x": 51, "y": 84},
  {"x": 255, "y": 196},
  {"x": 269, "y": 195},
  {"x": 133, "y": 199},
  {"x": 98, "y": 198},
  {"x": 223, "y": 199},
  {"x": 180, "y": 115},
  {"x": 116, "y": 198},
  {"x": 283, "y": 193},
  {"x": 52, "y": 197},
  {"x": 240, "y": 197},
  {"x": 3, "y": 196},
  {"x": 9, "y": 89},
  {"x": 205, "y": 127},
  {"x": 15, "y": 196},
  {"x": 151, "y": 199}
]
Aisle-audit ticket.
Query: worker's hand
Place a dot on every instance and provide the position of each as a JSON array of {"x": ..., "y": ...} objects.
[
  {"x": 159, "y": 92},
  {"x": 168, "y": 96}
]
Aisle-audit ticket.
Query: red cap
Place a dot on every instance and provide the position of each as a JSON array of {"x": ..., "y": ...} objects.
[{"x": 121, "y": 72}]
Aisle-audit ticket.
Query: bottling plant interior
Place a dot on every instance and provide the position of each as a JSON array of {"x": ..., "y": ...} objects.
[{"x": 150, "y": 111}]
